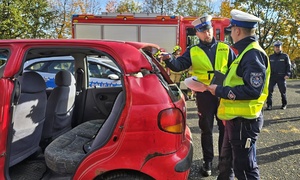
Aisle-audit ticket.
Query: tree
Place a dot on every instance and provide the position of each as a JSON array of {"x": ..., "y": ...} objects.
[
  {"x": 129, "y": 6},
  {"x": 280, "y": 22},
  {"x": 65, "y": 9},
  {"x": 111, "y": 6},
  {"x": 159, "y": 6},
  {"x": 225, "y": 8},
  {"x": 24, "y": 19},
  {"x": 192, "y": 8}
]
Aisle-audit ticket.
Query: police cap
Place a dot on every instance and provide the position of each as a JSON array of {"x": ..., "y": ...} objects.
[
  {"x": 243, "y": 19},
  {"x": 202, "y": 23},
  {"x": 277, "y": 43}
]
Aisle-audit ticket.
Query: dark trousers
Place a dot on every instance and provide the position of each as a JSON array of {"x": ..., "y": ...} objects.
[
  {"x": 281, "y": 83},
  {"x": 207, "y": 105},
  {"x": 237, "y": 159}
]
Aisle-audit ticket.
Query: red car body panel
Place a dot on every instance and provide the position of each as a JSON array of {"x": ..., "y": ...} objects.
[{"x": 137, "y": 144}]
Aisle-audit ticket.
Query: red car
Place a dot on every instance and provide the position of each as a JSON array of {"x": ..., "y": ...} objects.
[{"x": 135, "y": 131}]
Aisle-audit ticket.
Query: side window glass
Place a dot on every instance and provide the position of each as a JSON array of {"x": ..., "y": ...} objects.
[
  {"x": 99, "y": 71},
  {"x": 94, "y": 70},
  {"x": 3, "y": 57},
  {"x": 59, "y": 65},
  {"x": 36, "y": 66}
]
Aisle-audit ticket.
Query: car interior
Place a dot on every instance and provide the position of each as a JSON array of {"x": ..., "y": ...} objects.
[{"x": 62, "y": 115}]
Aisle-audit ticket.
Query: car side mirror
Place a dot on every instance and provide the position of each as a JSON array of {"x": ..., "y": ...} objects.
[{"x": 113, "y": 77}]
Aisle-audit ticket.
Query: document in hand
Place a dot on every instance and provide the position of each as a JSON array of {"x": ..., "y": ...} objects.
[
  {"x": 194, "y": 84},
  {"x": 218, "y": 78}
]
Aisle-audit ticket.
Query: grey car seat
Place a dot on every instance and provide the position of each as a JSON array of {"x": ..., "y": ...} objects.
[
  {"x": 64, "y": 153},
  {"x": 60, "y": 107},
  {"x": 28, "y": 118}
]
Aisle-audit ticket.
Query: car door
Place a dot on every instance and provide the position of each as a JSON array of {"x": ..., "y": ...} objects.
[{"x": 101, "y": 91}]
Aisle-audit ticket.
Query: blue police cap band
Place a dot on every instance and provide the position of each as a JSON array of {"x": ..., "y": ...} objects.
[
  {"x": 203, "y": 26},
  {"x": 243, "y": 24},
  {"x": 199, "y": 26}
]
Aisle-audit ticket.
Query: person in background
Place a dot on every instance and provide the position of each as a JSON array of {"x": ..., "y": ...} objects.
[
  {"x": 243, "y": 94},
  {"x": 294, "y": 70},
  {"x": 203, "y": 59},
  {"x": 176, "y": 76},
  {"x": 280, "y": 71}
]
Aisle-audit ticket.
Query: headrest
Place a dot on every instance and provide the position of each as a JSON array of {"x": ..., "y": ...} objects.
[
  {"x": 64, "y": 78},
  {"x": 32, "y": 82}
]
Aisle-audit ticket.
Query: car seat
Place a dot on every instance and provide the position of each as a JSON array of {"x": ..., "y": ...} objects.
[
  {"x": 64, "y": 153},
  {"x": 28, "y": 118},
  {"x": 60, "y": 107}
]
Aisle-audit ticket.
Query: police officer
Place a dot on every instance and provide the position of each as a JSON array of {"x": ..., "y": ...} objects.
[
  {"x": 243, "y": 95},
  {"x": 280, "y": 71},
  {"x": 204, "y": 58}
]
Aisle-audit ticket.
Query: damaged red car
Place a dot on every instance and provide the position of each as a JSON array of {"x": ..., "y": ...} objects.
[{"x": 76, "y": 131}]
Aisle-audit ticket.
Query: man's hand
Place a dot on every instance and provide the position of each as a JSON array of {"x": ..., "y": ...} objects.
[
  {"x": 286, "y": 77},
  {"x": 212, "y": 89},
  {"x": 165, "y": 56}
]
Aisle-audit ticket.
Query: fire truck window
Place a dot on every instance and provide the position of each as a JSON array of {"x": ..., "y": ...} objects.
[
  {"x": 218, "y": 34},
  {"x": 192, "y": 39},
  {"x": 227, "y": 37}
]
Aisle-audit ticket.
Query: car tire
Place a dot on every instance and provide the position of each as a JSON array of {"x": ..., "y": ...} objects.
[{"x": 124, "y": 176}]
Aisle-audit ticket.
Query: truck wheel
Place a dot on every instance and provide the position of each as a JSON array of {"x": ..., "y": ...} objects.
[{"x": 124, "y": 176}]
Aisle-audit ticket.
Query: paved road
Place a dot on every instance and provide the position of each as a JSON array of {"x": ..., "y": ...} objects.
[{"x": 278, "y": 147}]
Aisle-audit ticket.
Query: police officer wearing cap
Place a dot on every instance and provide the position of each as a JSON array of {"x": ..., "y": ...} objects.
[
  {"x": 205, "y": 58},
  {"x": 280, "y": 71},
  {"x": 243, "y": 94}
]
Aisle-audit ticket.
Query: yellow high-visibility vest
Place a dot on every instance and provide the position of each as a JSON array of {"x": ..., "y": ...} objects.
[
  {"x": 248, "y": 109},
  {"x": 201, "y": 65}
]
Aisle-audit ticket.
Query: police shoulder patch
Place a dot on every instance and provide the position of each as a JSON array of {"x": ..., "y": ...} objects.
[{"x": 256, "y": 79}]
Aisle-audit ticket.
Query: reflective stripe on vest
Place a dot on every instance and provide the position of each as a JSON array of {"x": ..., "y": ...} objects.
[
  {"x": 201, "y": 65},
  {"x": 249, "y": 109}
]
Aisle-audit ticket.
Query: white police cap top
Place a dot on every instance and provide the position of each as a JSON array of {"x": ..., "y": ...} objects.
[
  {"x": 243, "y": 19},
  {"x": 202, "y": 23},
  {"x": 277, "y": 43}
]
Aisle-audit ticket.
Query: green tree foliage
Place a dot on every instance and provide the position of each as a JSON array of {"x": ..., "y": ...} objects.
[
  {"x": 159, "y": 6},
  {"x": 280, "y": 22},
  {"x": 225, "y": 8},
  {"x": 192, "y": 8},
  {"x": 24, "y": 19},
  {"x": 129, "y": 6}
]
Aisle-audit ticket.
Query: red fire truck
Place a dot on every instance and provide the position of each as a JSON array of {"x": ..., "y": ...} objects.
[{"x": 163, "y": 30}]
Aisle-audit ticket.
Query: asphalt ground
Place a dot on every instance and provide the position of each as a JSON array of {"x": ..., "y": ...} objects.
[{"x": 278, "y": 146}]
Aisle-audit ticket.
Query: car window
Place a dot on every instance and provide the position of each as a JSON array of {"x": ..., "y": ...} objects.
[
  {"x": 37, "y": 66},
  {"x": 99, "y": 71},
  {"x": 3, "y": 57},
  {"x": 56, "y": 66}
]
